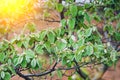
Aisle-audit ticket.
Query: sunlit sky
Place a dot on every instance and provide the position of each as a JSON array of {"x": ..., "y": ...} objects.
[{"x": 14, "y": 9}]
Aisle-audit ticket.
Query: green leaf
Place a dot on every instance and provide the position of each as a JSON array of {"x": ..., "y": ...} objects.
[
  {"x": 33, "y": 63},
  {"x": 58, "y": 32},
  {"x": 73, "y": 10},
  {"x": 89, "y": 50},
  {"x": 2, "y": 57},
  {"x": 42, "y": 35},
  {"x": 31, "y": 41},
  {"x": 5, "y": 45},
  {"x": 80, "y": 34},
  {"x": 81, "y": 42},
  {"x": 30, "y": 53},
  {"x": 12, "y": 69},
  {"x": 61, "y": 44},
  {"x": 78, "y": 56},
  {"x": 81, "y": 13},
  {"x": 59, "y": 7},
  {"x": 51, "y": 37},
  {"x": 2, "y": 74},
  {"x": 71, "y": 39},
  {"x": 81, "y": 48},
  {"x": 20, "y": 59},
  {"x": 48, "y": 47},
  {"x": 117, "y": 36},
  {"x": 99, "y": 47},
  {"x": 25, "y": 44},
  {"x": 38, "y": 49},
  {"x": 109, "y": 28},
  {"x": 27, "y": 59},
  {"x": 113, "y": 56},
  {"x": 15, "y": 60},
  {"x": 63, "y": 22},
  {"x": 9, "y": 61},
  {"x": 87, "y": 17},
  {"x": 7, "y": 76},
  {"x": 88, "y": 32},
  {"x": 71, "y": 23},
  {"x": 39, "y": 63},
  {"x": 64, "y": 61},
  {"x": 24, "y": 63},
  {"x": 118, "y": 26},
  {"x": 19, "y": 43}
]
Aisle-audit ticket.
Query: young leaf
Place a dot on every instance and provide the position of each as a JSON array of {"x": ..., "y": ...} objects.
[
  {"x": 61, "y": 44},
  {"x": 19, "y": 43},
  {"x": 118, "y": 26},
  {"x": 81, "y": 42},
  {"x": 47, "y": 46},
  {"x": 42, "y": 35},
  {"x": 81, "y": 48},
  {"x": 73, "y": 10},
  {"x": 51, "y": 37},
  {"x": 30, "y": 53},
  {"x": 113, "y": 56},
  {"x": 31, "y": 41},
  {"x": 33, "y": 63},
  {"x": 27, "y": 59},
  {"x": 20, "y": 59},
  {"x": 38, "y": 63},
  {"x": 2, "y": 57},
  {"x": 25, "y": 44},
  {"x": 117, "y": 36},
  {"x": 58, "y": 32},
  {"x": 12, "y": 69},
  {"x": 59, "y": 7},
  {"x": 89, "y": 50},
  {"x": 15, "y": 61},
  {"x": 63, "y": 22},
  {"x": 78, "y": 56},
  {"x": 96, "y": 17},
  {"x": 38, "y": 49},
  {"x": 71, "y": 23},
  {"x": 2, "y": 74},
  {"x": 24, "y": 63},
  {"x": 87, "y": 17},
  {"x": 88, "y": 32},
  {"x": 7, "y": 76}
]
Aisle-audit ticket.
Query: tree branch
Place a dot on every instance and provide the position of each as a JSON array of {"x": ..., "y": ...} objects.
[
  {"x": 79, "y": 71},
  {"x": 20, "y": 74},
  {"x": 76, "y": 67},
  {"x": 43, "y": 73}
]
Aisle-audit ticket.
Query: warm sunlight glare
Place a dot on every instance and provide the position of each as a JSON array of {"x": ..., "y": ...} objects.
[{"x": 14, "y": 9}]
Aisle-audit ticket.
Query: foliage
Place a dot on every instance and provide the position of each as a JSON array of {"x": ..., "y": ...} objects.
[{"x": 74, "y": 45}]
